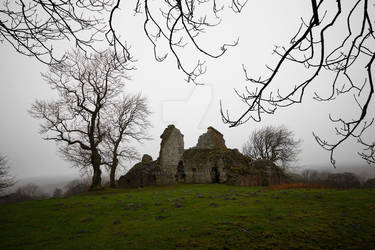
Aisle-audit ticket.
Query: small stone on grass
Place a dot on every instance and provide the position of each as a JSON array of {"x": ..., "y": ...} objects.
[
  {"x": 213, "y": 204},
  {"x": 86, "y": 220}
]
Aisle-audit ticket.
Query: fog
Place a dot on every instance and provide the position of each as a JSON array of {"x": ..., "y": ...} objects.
[{"x": 172, "y": 100}]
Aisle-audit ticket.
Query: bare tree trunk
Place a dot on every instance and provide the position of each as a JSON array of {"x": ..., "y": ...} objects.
[
  {"x": 96, "y": 178},
  {"x": 112, "y": 175}
]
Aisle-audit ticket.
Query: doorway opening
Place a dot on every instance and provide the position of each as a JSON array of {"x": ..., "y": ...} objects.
[
  {"x": 215, "y": 175},
  {"x": 180, "y": 174}
]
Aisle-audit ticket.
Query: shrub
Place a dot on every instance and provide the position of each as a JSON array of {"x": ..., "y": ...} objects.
[
  {"x": 370, "y": 183},
  {"x": 27, "y": 192},
  {"x": 77, "y": 187}
]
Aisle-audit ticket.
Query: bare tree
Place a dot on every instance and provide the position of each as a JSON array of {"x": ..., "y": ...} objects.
[
  {"x": 316, "y": 49},
  {"x": 6, "y": 180},
  {"x": 57, "y": 193},
  {"x": 276, "y": 144},
  {"x": 126, "y": 121},
  {"x": 86, "y": 87},
  {"x": 307, "y": 175},
  {"x": 32, "y": 27},
  {"x": 314, "y": 176}
]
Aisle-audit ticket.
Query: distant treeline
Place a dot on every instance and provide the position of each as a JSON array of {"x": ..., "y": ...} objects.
[
  {"x": 32, "y": 191},
  {"x": 308, "y": 176},
  {"x": 334, "y": 180}
]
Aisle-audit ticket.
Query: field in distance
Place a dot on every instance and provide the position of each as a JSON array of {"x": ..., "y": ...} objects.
[{"x": 212, "y": 216}]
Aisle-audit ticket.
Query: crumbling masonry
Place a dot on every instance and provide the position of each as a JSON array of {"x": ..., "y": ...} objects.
[{"x": 210, "y": 161}]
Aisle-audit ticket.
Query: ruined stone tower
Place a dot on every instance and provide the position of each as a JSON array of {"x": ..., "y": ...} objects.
[{"x": 171, "y": 151}]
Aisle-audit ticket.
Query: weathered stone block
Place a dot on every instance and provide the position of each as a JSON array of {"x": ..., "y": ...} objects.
[
  {"x": 146, "y": 158},
  {"x": 212, "y": 139}
]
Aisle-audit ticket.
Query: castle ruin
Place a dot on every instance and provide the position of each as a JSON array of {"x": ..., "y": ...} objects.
[{"x": 210, "y": 161}]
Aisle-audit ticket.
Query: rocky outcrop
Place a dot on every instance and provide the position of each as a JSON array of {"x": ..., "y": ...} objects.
[
  {"x": 209, "y": 162},
  {"x": 212, "y": 139}
]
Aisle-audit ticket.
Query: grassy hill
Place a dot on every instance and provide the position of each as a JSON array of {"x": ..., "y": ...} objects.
[{"x": 194, "y": 216}]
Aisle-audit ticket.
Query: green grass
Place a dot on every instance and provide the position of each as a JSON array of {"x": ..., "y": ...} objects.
[{"x": 222, "y": 217}]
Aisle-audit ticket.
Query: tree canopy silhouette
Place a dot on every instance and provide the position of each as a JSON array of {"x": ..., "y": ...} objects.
[
  {"x": 6, "y": 179},
  {"x": 86, "y": 86},
  {"x": 276, "y": 144},
  {"x": 126, "y": 121},
  {"x": 32, "y": 26},
  {"x": 315, "y": 47}
]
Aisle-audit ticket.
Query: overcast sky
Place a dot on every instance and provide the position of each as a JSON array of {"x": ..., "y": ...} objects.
[{"x": 174, "y": 101}]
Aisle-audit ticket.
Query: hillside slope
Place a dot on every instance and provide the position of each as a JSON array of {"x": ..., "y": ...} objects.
[{"x": 186, "y": 216}]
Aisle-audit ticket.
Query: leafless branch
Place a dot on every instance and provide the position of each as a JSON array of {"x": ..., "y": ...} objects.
[
  {"x": 311, "y": 49},
  {"x": 32, "y": 27},
  {"x": 179, "y": 24}
]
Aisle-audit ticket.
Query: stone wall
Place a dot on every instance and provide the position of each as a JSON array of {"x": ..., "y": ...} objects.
[
  {"x": 212, "y": 165},
  {"x": 203, "y": 166},
  {"x": 258, "y": 173}
]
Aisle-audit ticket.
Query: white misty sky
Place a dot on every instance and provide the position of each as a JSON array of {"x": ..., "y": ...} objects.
[{"x": 191, "y": 108}]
